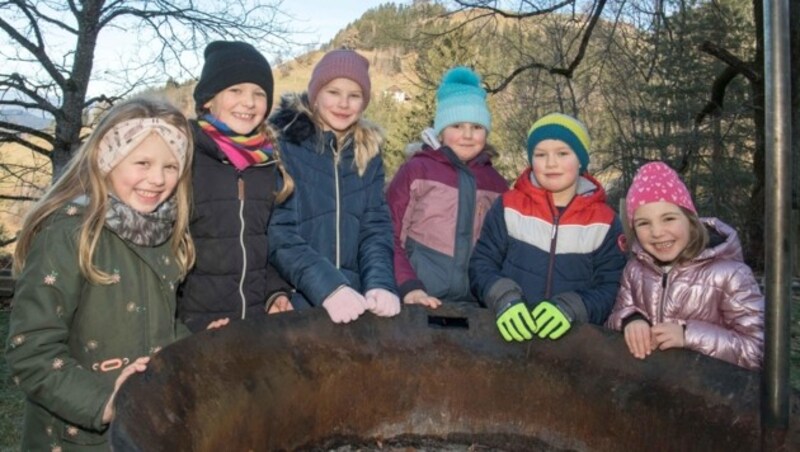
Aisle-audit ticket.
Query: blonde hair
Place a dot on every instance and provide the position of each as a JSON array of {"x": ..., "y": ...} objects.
[
  {"x": 367, "y": 139},
  {"x": 84, "y": 177},
  {"x": 698, "y": 237},
  {"x": 288, "y": 182}
]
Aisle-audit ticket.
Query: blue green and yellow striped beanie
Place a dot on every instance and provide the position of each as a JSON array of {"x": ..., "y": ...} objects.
[{"x": 558, "y": 126}]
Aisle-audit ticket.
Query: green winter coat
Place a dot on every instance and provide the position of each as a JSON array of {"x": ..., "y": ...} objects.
[{"x": 69, "y": 339}]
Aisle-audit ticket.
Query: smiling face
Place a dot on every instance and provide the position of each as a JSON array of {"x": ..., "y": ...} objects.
[
  {"x": 147, "y": 176},
  {"x": 339, "y": 105},
  {"x": 662, "y": 229},
  {"x": 556, "y": 167},
  {"x": 242, "y": 107},
  {"x": 466, "y": 139}
]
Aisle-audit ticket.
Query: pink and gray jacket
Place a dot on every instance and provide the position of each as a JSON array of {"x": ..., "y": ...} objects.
[
  {"x": 438, "y": 204},
  {"x": 715, "y": 296}
]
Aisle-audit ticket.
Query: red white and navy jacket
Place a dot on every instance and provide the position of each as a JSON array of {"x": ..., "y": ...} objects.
[{"x": 530, "y": 249}]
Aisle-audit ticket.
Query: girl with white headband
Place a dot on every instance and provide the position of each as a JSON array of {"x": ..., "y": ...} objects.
[{"x": 97, "y": 263}]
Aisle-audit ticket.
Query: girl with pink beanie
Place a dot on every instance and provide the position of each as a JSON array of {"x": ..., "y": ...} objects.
[
  {"x": 332, "y": 238},
  {"x": 686, "y": 285}
]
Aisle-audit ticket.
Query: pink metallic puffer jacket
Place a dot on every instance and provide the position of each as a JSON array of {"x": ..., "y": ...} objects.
[{"x": 715, "y": 295}]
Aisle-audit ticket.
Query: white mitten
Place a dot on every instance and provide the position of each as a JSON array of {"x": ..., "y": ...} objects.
[
  {"x": 344, "y": 305},
  {"x": 383, "y": 303}
]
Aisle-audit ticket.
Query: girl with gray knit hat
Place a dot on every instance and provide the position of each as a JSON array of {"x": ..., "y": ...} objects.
[
  {"x": 440, "y": 196},
  {"x": 332, "y": 238},
  {"x": 235, "y": 172}
]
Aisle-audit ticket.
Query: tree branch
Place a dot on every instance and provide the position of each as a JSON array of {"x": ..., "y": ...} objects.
[
  {"x": 9, "y": 137},
  {"x": 36, "y": 49},
  {"x": 568, "y": 71},
  {"x": 20, "y": 83},
  {"x": 745, "y": 68},
  {"x": 484, "y": 5},
  {"x": 735, "y": 66}
]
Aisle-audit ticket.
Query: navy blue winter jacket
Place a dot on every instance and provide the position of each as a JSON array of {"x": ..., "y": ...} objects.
[{"x": 335, "y": 228}]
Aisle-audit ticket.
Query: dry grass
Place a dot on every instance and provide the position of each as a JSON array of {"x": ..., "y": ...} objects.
[{"x": 24, "y": 173}]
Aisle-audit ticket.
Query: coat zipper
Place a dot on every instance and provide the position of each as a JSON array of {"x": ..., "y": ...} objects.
[
  {"x": 338, "y": 203},
  {"x": 553, "y": 244},
  {"x": 240, "y": 183},
  {"x": 552, "y": 262},
  {"x": 664, "y": 277}
]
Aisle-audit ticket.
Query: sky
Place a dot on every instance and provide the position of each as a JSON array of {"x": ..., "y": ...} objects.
[{"x": 316, "y": 21}]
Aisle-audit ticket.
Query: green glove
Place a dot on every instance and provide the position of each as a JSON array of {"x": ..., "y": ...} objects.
[
  {"x": 515, "y": 322},
  {"x": 552, "y": 320}
]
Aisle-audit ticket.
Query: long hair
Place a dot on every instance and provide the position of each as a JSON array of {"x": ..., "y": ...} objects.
[
  {"x": 288, "y": 182},
  {"x": 698, "y": 237},
  {"x": 366, "y": 136},
  {"x": 84, "y": 177}
]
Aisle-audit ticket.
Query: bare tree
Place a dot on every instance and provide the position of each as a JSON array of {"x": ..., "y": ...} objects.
[
  {"x": 56, "y": 41},
  {"x": 585, "y": 20}
]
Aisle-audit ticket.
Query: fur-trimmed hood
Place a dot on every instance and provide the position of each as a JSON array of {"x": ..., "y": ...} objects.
[{"x": 294, "y": 121}]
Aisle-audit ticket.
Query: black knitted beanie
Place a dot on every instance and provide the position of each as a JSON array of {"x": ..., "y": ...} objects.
[{"x": 230, "y": 63}]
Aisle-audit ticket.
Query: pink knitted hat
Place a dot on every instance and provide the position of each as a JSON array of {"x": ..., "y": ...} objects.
[
  {"x": 341, "y": 63},
  {"x": 654, "y": 182}
]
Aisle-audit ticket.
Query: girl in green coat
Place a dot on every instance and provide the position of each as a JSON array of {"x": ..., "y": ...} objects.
[{"x": 97, "y": 263}]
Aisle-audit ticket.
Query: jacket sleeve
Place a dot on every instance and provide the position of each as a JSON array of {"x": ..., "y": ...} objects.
[
  {"x": 625, "y": 306},
  {"x": 375, "y": 253},
  {"x": 276, "y": 285},
  {"x": 485, "y": 266},
  {"x": 400, "y": 203},
  {"x": 47, "y": 295},
  {"x": 301, "y": 265},
  {"x": 740, "y": 337},
  {"x": 608, "y": 262}
]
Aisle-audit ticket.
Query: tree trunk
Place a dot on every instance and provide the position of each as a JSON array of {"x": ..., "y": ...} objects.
[{"x": 68, "y": 130}]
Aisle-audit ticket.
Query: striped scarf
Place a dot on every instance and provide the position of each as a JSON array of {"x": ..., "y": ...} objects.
[{"x": 241, "y": 150}]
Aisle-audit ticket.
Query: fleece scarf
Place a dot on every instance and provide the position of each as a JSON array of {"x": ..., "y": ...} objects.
[{"x": 242, "y": 150}]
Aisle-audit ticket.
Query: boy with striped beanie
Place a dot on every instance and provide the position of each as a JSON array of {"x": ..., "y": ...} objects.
[{"x": 548, "y": 254}]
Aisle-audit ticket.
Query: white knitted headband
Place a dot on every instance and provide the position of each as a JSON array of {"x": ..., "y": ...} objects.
[{"x": 125, "y": 136}]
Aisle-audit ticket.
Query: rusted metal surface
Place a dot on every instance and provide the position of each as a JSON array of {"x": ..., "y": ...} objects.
[{"x": 297, "y": 381}]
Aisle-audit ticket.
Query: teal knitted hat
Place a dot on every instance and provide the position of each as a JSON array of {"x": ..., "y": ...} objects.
[{"x": 460, "y": 98}]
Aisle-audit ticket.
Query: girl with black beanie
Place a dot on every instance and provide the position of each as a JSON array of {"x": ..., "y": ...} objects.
[{"x": 234, "y": 177}]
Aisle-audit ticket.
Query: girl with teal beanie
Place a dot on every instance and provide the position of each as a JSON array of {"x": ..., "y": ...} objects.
[{"x": 440, "y": 196}]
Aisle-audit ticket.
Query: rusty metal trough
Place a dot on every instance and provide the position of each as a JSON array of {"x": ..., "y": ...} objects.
[{"x": 297, "y": 381}]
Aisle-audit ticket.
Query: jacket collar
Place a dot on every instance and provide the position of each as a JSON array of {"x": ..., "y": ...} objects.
[{"x": 590, "y": 191}]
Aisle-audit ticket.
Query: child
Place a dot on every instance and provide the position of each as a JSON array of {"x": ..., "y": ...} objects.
[
  {"x": 439, "y": 198},
  {"x": 235, "y": 172},
  {"x": 550, "y": 243},
  {"x": 97, "y": 262},
  {"x": 686, "y": 285},
  {"x": 332, "y": 238}
]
